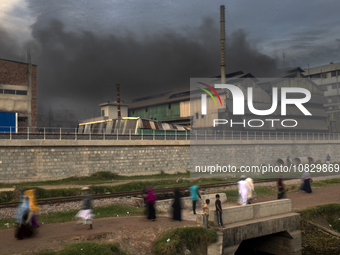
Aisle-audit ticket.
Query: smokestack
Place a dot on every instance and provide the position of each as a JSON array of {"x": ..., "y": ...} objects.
[
  {"x": 118, "y": 101},
  {"x": 222, "y": 40}
]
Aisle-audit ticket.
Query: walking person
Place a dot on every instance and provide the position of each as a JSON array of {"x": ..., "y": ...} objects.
[
  {"x": 33, "y": 207},
  {"x": 194, "y": 195},
  {"x": 289, "y": 161},
  {"x": 280, "y": 187},
  {"x": 24, "y": 228},
  {"x": 177, "y": 207},
  {"x": 250, "y": 190},
  {"x": 151, "y": 201},
  {"x": 328, "y": 160},
  {"x": 306, "y": 180},
  {"x": 219, "y": 211},
  {"x": 206, "y": 214},
  {"x": 243, "y": 191},
  {"x": 86, "y": 212}
]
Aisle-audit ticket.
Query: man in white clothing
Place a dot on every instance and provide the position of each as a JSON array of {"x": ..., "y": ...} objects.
[{"x": 243, "y": 190}]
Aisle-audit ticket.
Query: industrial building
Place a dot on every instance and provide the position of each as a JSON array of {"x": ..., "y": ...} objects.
[
  {"x": 327, "y": 77},
  {"x": 18, "y": 94}
]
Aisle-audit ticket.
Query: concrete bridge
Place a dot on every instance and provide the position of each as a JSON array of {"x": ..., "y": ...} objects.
[{"x": 264, "y": 228}]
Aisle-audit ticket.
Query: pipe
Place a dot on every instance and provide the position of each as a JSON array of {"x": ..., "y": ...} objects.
[{"x": 222, "y": 41}]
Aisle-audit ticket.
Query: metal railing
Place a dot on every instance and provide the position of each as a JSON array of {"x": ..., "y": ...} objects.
[{"x": 47, "y": 133}]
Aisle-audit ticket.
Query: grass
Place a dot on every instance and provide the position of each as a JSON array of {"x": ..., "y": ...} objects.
[
  {"x": 178, "y": 240},
  {"x": 100, "y": 212},
  {"x": 96, "y": 178},
  {"x": 88, "y": 248},
  {"x": 331, "y": 212}
]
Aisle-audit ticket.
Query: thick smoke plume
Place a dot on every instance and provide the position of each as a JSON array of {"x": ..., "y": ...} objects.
[{"x": 83, "y": 67}]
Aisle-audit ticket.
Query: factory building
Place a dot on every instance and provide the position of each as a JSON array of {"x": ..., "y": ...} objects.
[
  {"x": 327, "y": 77},
  {"x": 18, "y": 94}
]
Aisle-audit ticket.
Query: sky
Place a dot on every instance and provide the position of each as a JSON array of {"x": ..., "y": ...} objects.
[{"x": 82, "y": 48}]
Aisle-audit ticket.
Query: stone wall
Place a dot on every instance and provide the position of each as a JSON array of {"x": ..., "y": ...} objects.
[
  {"x": 34, "y": 160},
  {"x": 37, "y": 160}
]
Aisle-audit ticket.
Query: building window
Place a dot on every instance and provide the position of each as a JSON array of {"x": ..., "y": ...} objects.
[
  {"x": 1, "y": 91},
  {"x": 202, "y": 116},
  {"x": 324, "y": 75},
  {"x": 103, "y": 113},
  {"x": 334, "y": 86},
  {"x": 338, "y": 72},
  {"x": 169, "y": 106},
  {"x": 9, "y": 91},
  {"x": 196, "y": 115},
  {"x": 21, "y": 92},
  {"x": 133, "y": 111},
  {"x": 333, "y": 73},
  {"x": 146, "y": 109}
]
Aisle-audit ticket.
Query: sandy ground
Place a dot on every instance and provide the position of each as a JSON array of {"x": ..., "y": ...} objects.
[{"x": 136, "y": 234}]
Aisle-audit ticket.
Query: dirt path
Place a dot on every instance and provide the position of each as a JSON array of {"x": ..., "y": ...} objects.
[
  {"x": 136, "y": 234},
  {"x": 302, "y": 200}
]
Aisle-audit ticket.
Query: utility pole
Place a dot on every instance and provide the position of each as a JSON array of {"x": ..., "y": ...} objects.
[
  {"x": 284, "y": 60},
  {"x": 118, "y": 100},
  {"x": 222, "y": 41}
]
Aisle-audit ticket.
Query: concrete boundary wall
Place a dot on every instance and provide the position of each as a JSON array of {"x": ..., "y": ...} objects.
[
  {"x": 40, "y": 160},
  {"x": 236, "y": 214}
]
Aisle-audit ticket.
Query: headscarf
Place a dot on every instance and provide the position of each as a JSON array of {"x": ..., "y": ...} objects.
[
  {"x": 305, "y": 176},
  {"x": 151, "y": 196},
  {"x": 23, "y": 208},
  {"x": 32, "y": 200}
]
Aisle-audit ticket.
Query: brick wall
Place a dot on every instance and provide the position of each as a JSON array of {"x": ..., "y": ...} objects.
[{"x": 16, "y": 73}]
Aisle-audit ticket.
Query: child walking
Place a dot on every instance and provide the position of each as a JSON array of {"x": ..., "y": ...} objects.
[
  {"x": 206, "y": 213},
  {"x": 86, "y": 212},
  {"x": 219, "y": 210}
]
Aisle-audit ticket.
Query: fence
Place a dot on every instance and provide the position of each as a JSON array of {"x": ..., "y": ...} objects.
[{"x": 47, "y": 133}]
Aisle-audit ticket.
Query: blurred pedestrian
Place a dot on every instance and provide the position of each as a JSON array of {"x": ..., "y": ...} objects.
[
  {"x": 243, "y": 191},
  {"x": 250, "y": 189},
  {"x": 194, "y": 195},
  {"x": 24, "y": 228},
  {"x": 219, "y": 211},
  {"x": 86, "y": 212},
  {"x": 206, "y": 213},
  {"x": 306, "y": 180},
  {"x": 151, "y": 201},
  {"x": 289, "y": 161},
  {"x": 328, "y": 160},
  {"x": 33, "y": 207},
  {"x": 280, "y": 187},
  {"x": 176, "y": 206}
]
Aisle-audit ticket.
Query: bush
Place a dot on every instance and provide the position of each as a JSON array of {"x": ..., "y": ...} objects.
[
  {"x": 88, "y": 248},
  {"x": 103, "y": 175},
  {"x": 176, "y": 241}
]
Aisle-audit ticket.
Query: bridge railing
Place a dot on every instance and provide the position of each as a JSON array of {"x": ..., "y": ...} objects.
[{"x": 50, "y": 133}]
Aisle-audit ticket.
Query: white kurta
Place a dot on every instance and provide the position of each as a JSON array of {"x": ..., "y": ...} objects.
[
  {"x": 243, "y": 191},
  {"x": 250, "y": 187}
]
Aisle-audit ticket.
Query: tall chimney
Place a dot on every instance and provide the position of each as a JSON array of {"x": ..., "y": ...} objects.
[
  {"x": 118, "y": 101},
  {"x": 222, "y": 40}
]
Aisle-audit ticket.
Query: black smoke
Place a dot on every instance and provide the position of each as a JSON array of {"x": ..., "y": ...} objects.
[{"x": 81, "y": 68}]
